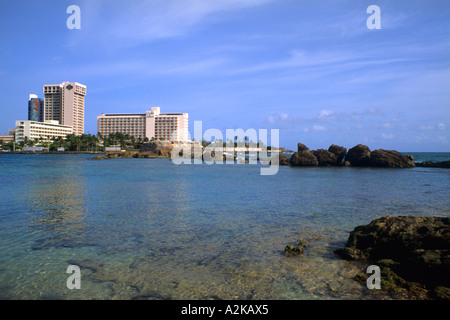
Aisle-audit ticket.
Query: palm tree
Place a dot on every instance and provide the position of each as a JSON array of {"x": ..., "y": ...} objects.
[{"x": 77, "y": 142}]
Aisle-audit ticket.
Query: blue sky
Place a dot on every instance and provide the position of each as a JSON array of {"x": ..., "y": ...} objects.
[{"x": 311, "y": 69}]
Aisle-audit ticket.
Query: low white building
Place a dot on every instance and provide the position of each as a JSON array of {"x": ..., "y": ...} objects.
[
  {"x": 6, "y": 138},
  {"x": 45, "y": 130}
]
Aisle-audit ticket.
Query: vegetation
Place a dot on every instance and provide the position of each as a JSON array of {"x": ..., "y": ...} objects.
[
  {"x": 84, "y": 142},
  {"x": 236, "y": 142},
  {"x": 94, "y": 143}
]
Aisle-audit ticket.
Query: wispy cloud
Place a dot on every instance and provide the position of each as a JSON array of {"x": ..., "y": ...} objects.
[{"x": 119, "y": 23}]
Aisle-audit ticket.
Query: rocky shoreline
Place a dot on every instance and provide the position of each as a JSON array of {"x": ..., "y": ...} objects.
[
  {"x": 335, "y": 156},
  {"x": 413, "y": 253},
  {"x": 430, "y": 164},
  {"x": 358, "y": 156}
]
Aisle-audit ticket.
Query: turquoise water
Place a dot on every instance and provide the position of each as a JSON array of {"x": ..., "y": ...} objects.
[
  {"x": 429, "y": 156},
  {"x": 148, "y": 229}
]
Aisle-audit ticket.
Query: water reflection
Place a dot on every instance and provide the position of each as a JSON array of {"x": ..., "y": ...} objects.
[{"x": 57, "y": 209}]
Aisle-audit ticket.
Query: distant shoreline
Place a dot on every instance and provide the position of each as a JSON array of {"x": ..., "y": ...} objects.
[
  {"x": 428, "y": 164},
  {"x": 53, "y": 152}
]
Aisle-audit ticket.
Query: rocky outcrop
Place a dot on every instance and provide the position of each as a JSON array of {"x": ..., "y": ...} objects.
[
  {"x": 118, "y": 154},
  {"x": 157, "y": 148},
  {"x": 325, "y": 157},
  {"x": 339, "y": 152},
  {"x": 320, "y": 157},
  {"x": 358, "y": 156},
  {"x": 283, "y": 160},
  {"x": 390, "y": 159},
  {"x": 303, "y": 159},
  {"x": 361, "y": 156},
  {"x": 430, "y": 164},
  {"x": 416, "y": 249},
  {"x": 301, "y": 147},
  {"x": 99, "y": 158}
]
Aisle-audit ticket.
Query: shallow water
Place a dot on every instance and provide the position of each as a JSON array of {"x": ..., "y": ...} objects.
[{"x": 149, "y": 229}]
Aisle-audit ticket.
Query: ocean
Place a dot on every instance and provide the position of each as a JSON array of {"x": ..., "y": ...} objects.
[{"x": 150, "y": 229}]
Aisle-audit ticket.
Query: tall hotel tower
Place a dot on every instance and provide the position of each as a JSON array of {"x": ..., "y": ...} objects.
[
  {"x": 65, "y": 103},
  {"x": 35, "y": 108}
]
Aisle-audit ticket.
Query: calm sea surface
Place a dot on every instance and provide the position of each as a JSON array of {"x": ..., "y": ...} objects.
[{"x": 149, "y": 229}]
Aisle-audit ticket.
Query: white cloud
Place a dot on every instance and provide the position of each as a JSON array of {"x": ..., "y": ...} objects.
[
  {"x": 315, "y": 129},
  {"x": 318, "y": 128},
  {"x": 441, "y": 126},
  {"x": 348, "y": 116},
  {"x": 270, "y": 119},
  {"x": 326, "y": 114},
  {"x": 143, "y": 20},
  {"x": 426, "y": 127},
  {"x": 387, "y": 125},
  {"x": 387, "y": 136}
]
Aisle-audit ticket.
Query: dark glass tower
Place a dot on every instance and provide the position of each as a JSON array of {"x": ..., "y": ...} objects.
[{"x": 35, "y": 108}]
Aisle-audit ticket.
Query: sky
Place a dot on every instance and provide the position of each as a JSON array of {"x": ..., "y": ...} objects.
[{"x": 311, "y": 69}]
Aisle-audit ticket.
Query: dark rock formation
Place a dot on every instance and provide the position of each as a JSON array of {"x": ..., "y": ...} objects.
[
  {"x": 118, "y": 154},
  {"x": 430, "y": 164},
  {"x": 303, "y": 158},
  {"x": 339, "y": 151},
  {"x": 129, "y": 154},
  {"x": 301, "y": 147},
  {"x": 417, "y": 248},
  {"x": 87, "y": 263},
  {"x": 157, "y": 148},
  {"x": 283, "y": 160},
  {"x": 358, "y": 156},
  {"x": 325, "y": 157},
  {"x": 320, "y": 157},
  {"x": 99, "y": 158},
  {"x": 295, "y": 249},
  {"x": 390, "y": 159}
]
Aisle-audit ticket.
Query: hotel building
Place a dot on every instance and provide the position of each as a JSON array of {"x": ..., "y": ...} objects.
[
  {"x": 65, "y": 103},
  {"x": 151, "y": 124},
  {"x": 5, "y": 138},
  {"x": 35, "y": 108},
  {"x": 36, "y": 129}
]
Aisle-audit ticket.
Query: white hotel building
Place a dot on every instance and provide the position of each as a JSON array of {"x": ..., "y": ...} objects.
[
  {"x": 151, "y": 124},
  {"x": 35, "y": 129}
]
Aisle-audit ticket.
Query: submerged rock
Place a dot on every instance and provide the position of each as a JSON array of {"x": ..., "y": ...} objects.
[
  {"x": 99, "y": 158},
  {"x": 430, "y": 164},
  {"x": 87, "y": 263},
  {"x": 293, "y": 250}
]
